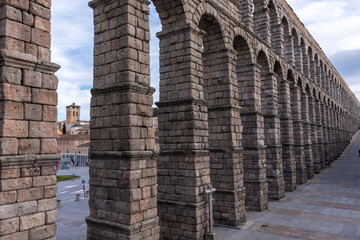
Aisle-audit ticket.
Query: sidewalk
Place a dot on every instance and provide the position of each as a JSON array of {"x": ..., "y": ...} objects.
[{"x": 325, "y": 208}]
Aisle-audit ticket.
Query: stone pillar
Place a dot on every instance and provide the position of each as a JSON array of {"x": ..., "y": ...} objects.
[
  {"x": 298, "y": 135},
  {"x": 329, "y": 134},
  {"x": 307, "y": 136},
  {"x": 122, "y": 162},
  {"x": 28, "y": 117},
  {"x": 253, "y": 139},
  {"x": 262, "y": 21},
  {"x": 246, "y": 13},
  {"x": 274, "y": 165},
  {"x": 287, "y": 136},
  {"x": 225, "y": 137},
  {"x": 313, "y": 134},
  {"x": 319, "y": 130},
  {"x": 325, "y": 133},
  {"x": 184, "y": 162}
]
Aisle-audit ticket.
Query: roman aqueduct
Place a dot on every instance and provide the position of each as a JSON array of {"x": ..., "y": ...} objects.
[{"x": 249, "y": 105}]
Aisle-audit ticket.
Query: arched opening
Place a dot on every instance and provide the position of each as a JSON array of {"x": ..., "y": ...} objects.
[
  {"x": 288, "y": 44},
  {"x": 286, "y": 127},
  {"x": 305, "y": 115},
  {"x": 297, "y": 50},
  {"x": 269, "y": 109},
  {"x": 275, "y": 32},
  {"x": 305, "y": 58},
  {"x": 296, "y": 90},
  {"x": 311, "y": 65}
]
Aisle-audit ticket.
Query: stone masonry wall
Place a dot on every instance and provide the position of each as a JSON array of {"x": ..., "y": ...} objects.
[{"x": 28, "y": 102}]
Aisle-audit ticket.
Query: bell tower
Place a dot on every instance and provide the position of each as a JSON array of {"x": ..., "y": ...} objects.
[{"x": 72, "y": 113}]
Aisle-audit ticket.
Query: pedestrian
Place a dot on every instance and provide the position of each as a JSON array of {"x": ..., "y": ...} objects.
[
  {"x": 359, "y": 152},
  {"x": 329, "y": 164}
]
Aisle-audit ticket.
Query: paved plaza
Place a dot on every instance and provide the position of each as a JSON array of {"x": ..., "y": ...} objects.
[{"x": 326, "y": 207}]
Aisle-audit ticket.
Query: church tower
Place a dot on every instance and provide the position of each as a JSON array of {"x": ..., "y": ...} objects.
[{"x": 72, "y": 113}]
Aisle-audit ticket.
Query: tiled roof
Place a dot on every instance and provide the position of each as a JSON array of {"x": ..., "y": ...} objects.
[{"x": 78, "y": 137}]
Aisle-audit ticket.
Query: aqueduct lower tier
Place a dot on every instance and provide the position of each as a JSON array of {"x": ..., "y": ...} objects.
[{"x": 249, "y": 103}]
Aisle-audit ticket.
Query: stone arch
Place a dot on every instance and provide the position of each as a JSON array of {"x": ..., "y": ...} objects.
[
  {"x": 275, "y": 28},
  {"x": 205, "y": 9},
  {"x": 305, "y": 58},
  {"x": 171, "y": 13},
  {"x": 311, "y": 75},
  {"x": 288, "y": 45},
  {"x": 297, "y": 50}
]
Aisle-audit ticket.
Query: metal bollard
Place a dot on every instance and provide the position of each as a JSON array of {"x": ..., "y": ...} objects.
[
  {"x": 77, "y": 197},
  {"x": 58, "y": 203},
  {"x": 87, "y": 194}
]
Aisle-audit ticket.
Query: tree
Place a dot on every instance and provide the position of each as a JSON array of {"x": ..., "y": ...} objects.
[{"x": 64, "y": 129}]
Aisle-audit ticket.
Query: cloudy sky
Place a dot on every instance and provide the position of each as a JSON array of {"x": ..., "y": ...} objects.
[{"x": 335, "y": 24}]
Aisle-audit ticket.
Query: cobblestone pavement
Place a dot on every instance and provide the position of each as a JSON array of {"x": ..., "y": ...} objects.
[{"x": 325, "y": 208}]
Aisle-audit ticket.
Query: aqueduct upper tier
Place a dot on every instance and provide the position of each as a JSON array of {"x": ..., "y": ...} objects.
[{"x": 249, "y": 107}]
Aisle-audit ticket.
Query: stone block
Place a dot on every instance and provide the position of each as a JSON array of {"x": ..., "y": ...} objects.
[
  {"x": 40, "y": 11},
  {"x": 16, "y": 93},
  {"x": 32, "y": 78},
  {"x": 42, "y": 232},
  {"x": 51, "y": 216},
  {"x": 49, "y": 113},
  {"x": 42, "y": 24},
  {"x": 48, "y": 146},
  {"x": 12, "y": 44},
  {"x": 10, "y": 12},
  {"x": 32, "y": 221},
  {"x": 29, "y": 146},
  {"x": 44, "y": 181},
  {"x": 44, "y": 3},
  {"x": 42, "y": 129},
  {"x": 9, "y": 28},
  {"x": 7, "y": 197},
  {"x": 9, "y": 226},
  {"x": 30, "y": 194},
  {"x": 33, "y": 112},
  {"x": 46, "y": 204},
  {"x": 9, "y": 146},
  {"x": 30, "y": 172},
  {"x": 16, "y": 236},
  {"x": 44, "y": 54},
  {"x": 31, "y": 49},
  {"x": 11, "y": 110},
  {"x": 14, "y": 128},
  {"x": 40, "y": 38},
  {"x": 45, "y": 171},
  {"x": 15, "y": 184},
  {"x": 10, "y": 74},
  {"x": 9, "y": 173},
  {"x": 43, "y": 96},
  {"x": 17, "y": 210},
  {"x": 28, "y": 19},
  {"x": 20, "y": 4},
  {"x": 50, "y": 81},
  {"x": 50, "y": 191}
]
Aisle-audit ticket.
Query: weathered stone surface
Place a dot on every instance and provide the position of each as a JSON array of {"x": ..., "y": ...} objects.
[
  {"x": 10, "y": 74},
  {"x": 30, "y": 194},
  {"x": 17, "y": 210},
  {"x": 9, "y": 28},
  {"x": 43, "y": 232},
  {"x": 8, "y": 226},
  {"x": 48, "y": 146},
  {"x": 51, "y": 217},
  {"x": 10, "y": 173},
  {"x": 9, "y": 146},
  {"x": 33, "y": 112},
  {"x": 49, "y": 113},
  {"x": 7, "y": 197},
  {"x": 15, "y": 184},
  {"x": 15, "y": 236},
  {"x": 32, "y": 220},
  {"x": 29, "y": 146},
  {"x": 44, "y": 180},
  {"x": 50, "y": 191},
  {"x": 32, "y": 78},
  {"x": 47, "y": 204},
  {"x": 42, "y": 129}
]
